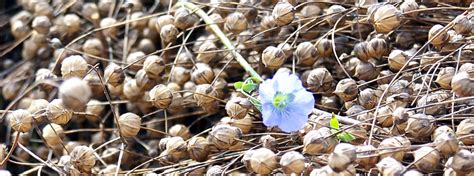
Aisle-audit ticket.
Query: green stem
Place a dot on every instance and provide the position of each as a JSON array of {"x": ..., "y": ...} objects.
[{"x": 223, "y": 38}]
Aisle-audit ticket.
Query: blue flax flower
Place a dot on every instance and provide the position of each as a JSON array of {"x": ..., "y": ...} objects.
[{"x": 285, "y": 102}]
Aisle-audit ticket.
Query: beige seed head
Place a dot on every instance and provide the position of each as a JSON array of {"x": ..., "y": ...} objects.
[
  {"x": 446, "y": 143},
  {"x": 53, "y": 134},
  {"x": 21, "y": 120},
  {"x": 366, "y": 71},
  {"x": 377, "y": 47},
  {"x": 273, "y": 57},
  {"x": 461, "y": 162},
  {"x": 224, "y": 136},
  {"x": 409, "y": 5},
  {"x": 74, "y": 66},
  {"x": 318, "y": 141},
  {"x": 336, "y": 12},
  {"x": 93, "y": 46},
  {"x": 283, "y": 13},
  {"x": 82, "y": 158},
  {"x": 106, "y": 23},
  {"x": 176, "y": 148},
  {"x": 143, "y": 81},
  {"x": 154, "y": 66},
  {"x": 202, "y": 74},
  {"x": 462, "y": 24},
  {"x": 129, "y": 124},
  {"x": 234, "y": 109},
  {"x": 184, "y": 19},
  {"x": 444, "y": 77},
  {"x": 163, "y": 21},
  {"x": 306, "y": 54},
  {"x": 343, "y": 155},
  {"x": 393, "y": 142},
  {"x": 206, "y": 52},
  {"x": 263, "y": 161},
  {"x": 292, "y": 162},
  {"x": 346, "y": 89},
  {"x": 390, "y": 166},
  {"x": 198, "y": 148},
  {"x": 396, "y": 60},
  {"x": 235, "y": 23},
  {"x": 161, "y": 96},
  {"x": 464, "y": 129},
  {"x": 428, "y": 159},
  {"x": 437, "y": 36},
  {"x": 420, "y": 126},
  {"x": 244, "y": 124},
  {"x": 179, "y": 130},
  {"x": 75, "y": 93},
  {"x": 203, "y": 94},
  {"x": 131, "y": 90},
  {"x": 320, "y": 80},
  {"x": 462, "y": 84},
  {"x": 58, "y": 113},
  {"x": 361, "y": 51},
  {"x": 41, "y": 24},
  {"x": 72, "y": 23},
  {"x": 386, "y": 18},
  {"x": 114, "y": 75},
  {"x": 169, "y": 33},
  {"x": 363, "y": 159}
]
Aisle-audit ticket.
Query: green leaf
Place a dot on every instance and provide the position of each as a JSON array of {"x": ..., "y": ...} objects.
[
  {"x": 334, "y": 123},
  {"x": 249, "y": 87},
  {"x": 345, "y": 137},
  {"x": 238, "y": 85},
  {"x": 256, "y": 103}
]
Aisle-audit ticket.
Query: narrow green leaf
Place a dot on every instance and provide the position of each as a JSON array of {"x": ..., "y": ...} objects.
[
  {"x": 256, "y": 103},
  {"x": 345, "y": 137},
  {"x": 334, "y": 122},
  {"x": 238, "y": 85},
  {"x": 249, "y": 87}
]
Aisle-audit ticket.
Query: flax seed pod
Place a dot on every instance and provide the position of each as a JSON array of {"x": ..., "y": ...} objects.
[
  {"x": 202, "y": 74},
  {"x": 462, "y": 83},
  {"x": 318, "y": 141},
  {"x": 219, "y": 21},
  {"x": 169, "y": 33},
  {"x": 420, "y": 126},
  {"x": 390, "y": 167},
  {"x": 263, "y": 161},
  {"x": 107, "y": 23},
  {"x": 292, "y": 162},
  {"x": 163, "y": 21},
  {"x": 464, "y": 129},
  {"x": 41, "y": 24},
  {"x": 72, "y": 23},
  {"x": 396, "y": 60},
  {"x": 136, "y": 60},
  {"x": 52, "y": 134},
  {"x": 361, "y": 51},
  {"x": 246, "y": 7},
  {"x": 30, "y": 50},
  {"x": 90, "y": 11},
  {"x": 324, "y": 47},
  {"x": 184, "y": 19},
  {"x": 462, "y": 24},
  {"x": 114, "y": 75},
  {"x": 185, "y": 59},
  {"x": 368, "y": 98},
  {"x": 244, "y": 124},
  {"x": 19, "y": 29},
  {"x": 366, "y": 71},
  {"x": 234, "y": 109},
  {"x": 36, "y": 106},
  {"x": 266, "y": 24},
  {"x": 180, "y": 75},
  {"x": 388, "y": 144},
  {"x": 206, "y": 52},
  {"x": 446, "y": 143},
  {"x": 83, "y": 159},
  {"x": 214, "y": 170},
  {"x": 444, "y": 77},
  {"x": 131, "y": 90},
  {"x": 129, "y": 124},
  {"x": 346, "y": 89},
  {"x": 154, "y": 66},
  {"x": 58, "y": 113},
  {"x": 21, "y": 120},
  {"x": 427, "y": 159},
  {"x": 161, "y": 96},
  {"x": 409, "y": 5},
  {"x": 198, "y": 148},
  {"x": 75, "y": 93},
  {"x": 273, "y": 57},
  {"x": 138, "y": 24},
  {"x": 93, "y": 46},
  {"x": 283, "y": 13},
  {"x": 320, "y": 80},
  {"x": 180, "y": 130},
  {"x": 343, "y": 155},
  {"x": 336, "y": 12},
  {"x": 461, "y": 162},
  {"x": 306, "y": 54},
  {"x": 224, "y": 136},
  {"x": 386, "y": 18},
  {"x": 377, "y": 47},
  {"x": 45, "y": 75},
  {"x": 441, "y": 38},
  {"x": 235, "y": 23},
  {"x": 74, "y": 66},
  {"x": 363, "y": 159}
]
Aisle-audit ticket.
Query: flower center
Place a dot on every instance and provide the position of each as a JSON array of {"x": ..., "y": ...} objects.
[{"x": 282, "y": 100}]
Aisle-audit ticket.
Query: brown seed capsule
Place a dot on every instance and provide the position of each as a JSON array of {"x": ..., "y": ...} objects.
[
  {"x": 202, "y": 74},
  {"x": 267, "y": 24},
  {"x": 169, "y": 33},
  {"x": 72, "y": 23},
  {"x": 444, "y": 77},
  {"x": 346, "y": 89},
  {"x": 215, "y": 170},
  {"x": 461, "y": 162},
  {"x": 143, "y": 81},
  {"x": 94, "y": 108},
  {"x": 198, "y": 148},
  {"x": 427, "y": 159},
  {"x": 75, "y": 93},
  {"x": 390, "y": 167},
  {"x": 292, "y": 162},
  {"x": 90, "y": 11},
  {"x": 263, "y": 161},
  {"x": 224, "y": 136},
  {"x": 109, "y": 170},
  {"x": 446, "y": 143},
  {"x": 234, "y": 109},
  {"x": 179, "y": 130},
  {"x": 244, "y": 124},
  {"x": 464, "y": 129},
  {"x": 114, "y": 75},
  {"x": 343, "y": 155},
  {"x": 206, "y": 52},
  {"x": 366, "y": 71},
  {"x": 386, "y": 18},
  {"x": 437, "y": 36},
  {"x": 83, "y": 159},
  {"x": 335, "y": 13},
  {"x": 131, "y": 90},
  {"x": 377, "y": 47},
  {"x": 180, "y": 75},
  {"x": 420, "y": 126},
  {"x": 161, "y": 96},
  {"x": 235, "y": 23},
  {"x": 462, "y": 84},
  {"x": 361, "y": 51},
  {"x": 268, "y": 142},
  {"x": 58, "y": 113},
  {"x": 408, "y": 6},
  {"x": 462, "y": 24},
  {"x": 129, "y": 124},
  {"x": 440, "y": 130},
  {"x": 324, "y": 47},
  {"x": 435, "y": 97},
  {"x": 138, "y": 24},
  {"x": 306, "y": 54},
  {"x": 19, "y": 29},
  {"x": 184, "y": 19},
  {"x": 203, "y": 94},
  {"x": 74, "y": 66},
  {"x": 320, "y": 80},
  {"x": 218, "y": 20},
  {"x": 53, "y": 134},
  {"x": 246, "y": 7},
  {"x": 21, "y": 120},
  {"x": 107, "y": 22},
  {"x": 154, "y": 66},
  {"x": 396, "y": 60},
  {"x": 36, "y": 106},
  {"x": 136, "y": 59},
  {"x": 366, "y": 156},
  {"x": 175, "y": 149},
  {"x": 387, "y": 147},
  {"x": 163, "y": 21},
  {"x": 93, "y": 46},
  {"x": 41, "y": 24},
  {"x": 45, "y": 75},
  {"x": 283, "y": 13},
  {"x": 273, "y": 57},
  {"x": 318, "y": 141},
  {"x": 104, "y": 6}
]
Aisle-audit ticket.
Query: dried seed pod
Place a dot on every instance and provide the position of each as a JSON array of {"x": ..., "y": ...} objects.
[
  {"x": 83, "y": 159},
  {"x": 41, "y": 24},
  {"x": 246, "y": 7},
  {"x": 266, "y": 24},
  {"x": 363, "y": 159},
  {"x": 93, "y": 46},
  {"x": 324, "y": 47},
  {"x": 198, "y": 148},
  {"x": 74, "y": 66},
  {"x": 386, "y": 18},
  {"x": 427, "y": 159},
  {"x": 53, "y": 134},
  {"x": 143, "y": 81},
  {"x": 335, "y": 13},
  {"x": 377, "y": 47},
  {"x": 437, "y": 36},
  {"x": 361, "y": 51},
  {"x": 273, "y": 57},
  {"x": 175, "y": 149},
  {"x": 184, "y": 19},
  {"x": 185, "y": 59},
  {"x": 163, "y": 21},
  {"x": 136, "y": 60},
  {"x": 234, "y": 109},
  {"x": 94, "y": 108},
  {"x": 161, "y": 96},
  {"x": 215, "y": 170},
  {"x": 107, "y": 23},
  {"x": 343, "y": 155},
  {"x": 19, "y": 29},
  {"x": 408, "y": 6},
  {"x": 283, "y": 13},
  {"x": 329, "y": 102},
  {"x": 420, "y": 126},
  {"x": 154, "y": 66},
  {"x": 268, "y": 142},
  {"x": 179, "y": 130},
  {"x": 45, "y": 75},
  {"x": 366, "y": 71},
  {"x": 446, "y": 143},
  {"x": 218, "y": 20},
  {"x": 206, "y": 52},
  {"x": 397, "y": 59},
  {"x": 244, "y": 124},
  {"x": 387, "y": 147},
  {"x": 129, "y": 124},
  {"x": 346, "y": 89},
  {"x": 435, "y": 97},
  {"x": 180, "y": 75},
  {"x": 462, "y": 24},
  {"x": 202, "y": 74},
  {"x": 405, "y": 39},
  {"x": 146, "y": 45},
  {"x": 318, "y": 141},
  {"x": 440, "y": 130},
  {"x": 58, "y": 113},
  {"x": 292, "y": 162},
  {"x": 464, "y": 129},
  {"x": 224, "y": 136},
  {"x": 114, "y": 75},
  {"x": 320, "y": 80},
  {"x": 235, "y": 23},
  {"x": 461, "y": 162},
  {"x": 462, "y": 84},
  {"x": 306, "y": 54},
  {"x": 444, "y": 77},
  {"x": 72, "y": 23},
  {"x": 400, "y": 115},
  {"x": 37, "y": 105},
  {"x": 390, "y": 167},
  {"x": 169, "y": 33},
  {"x": 21, "y": 120},
  {"x": 368, "y": 98},
  {"x": 138, "y": 24},
  {"x": 131, "y": 90},
  {"x": 263, "y": 161},
  {"x": 75, "y": 93}
]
